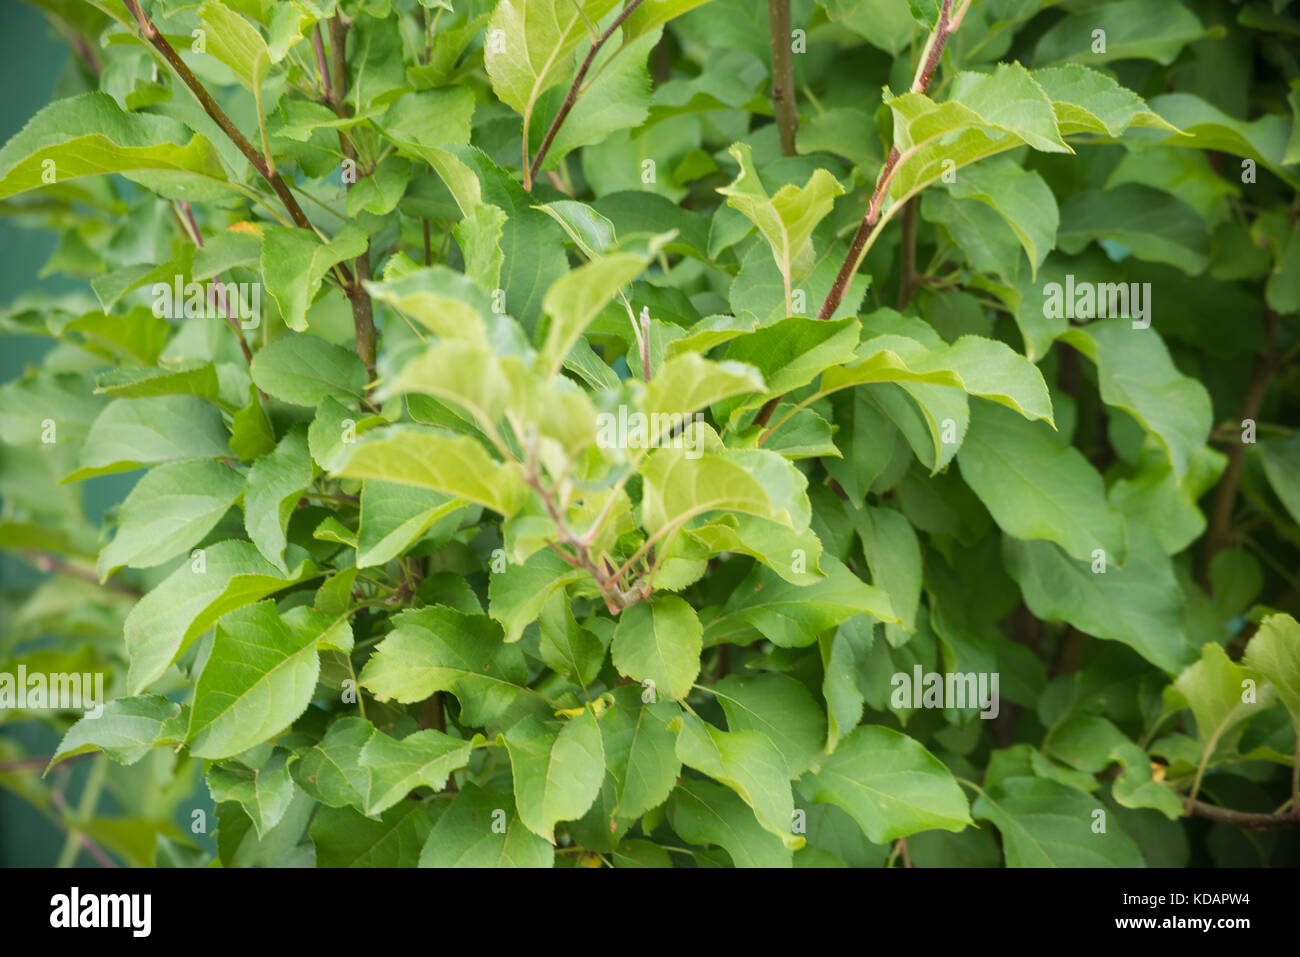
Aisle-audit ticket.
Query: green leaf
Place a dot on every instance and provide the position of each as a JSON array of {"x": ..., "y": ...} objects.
[
  {"x": 894, "y": 556},
  {"x": 1086, "y": 101},
  {"x": 169, "y": 511},
  {"x": 1036, "y": 488},
  {"x": 1152, "y": 224},
  {"x": 445, "y": 302},
  {"x": 189, "y": 378},
  {"x": 1204, "y": 126},
  {"x": 1150, "y": 29},
  {"x": 346, "y": 838},
  {"x": 394, "y": 516},
  {"x": 259, "y": 677},
  {"x": 558, "y": 768},
  {"x": 787, "y": 218},
  {"x": 517, "y": 595},
  {"x": 640, "y": 750},
  {"x": 88, "y": 135},
  {"x": 1135, "y": 373},
  {"x": 441, "y": 649},
  {"x": 616, "y": 97},
  {"x": 978, "y": 366},
  {"x": 236, "y": 43},
  {"x": 540, "y": 37},
  {"x": 890, "y": 784},
  {"x": 396, "y": 768},
  {"x": 844, "y": 656},
  {"x": 331, "y": 771},
  {"x": 457, "y": 372},
  {"x": 127, "y": 730},
  {"x": 748, "y": 763},
  {"x": 1221, "y": 695},
  {"x": 1274, "y": 652},
  {"x": 1281, "y": 461},
  {"x": 688, "y": 382},
  {"x": 659, "y": 640},
  {"x": 130, "y": 433},
  {"x": 567, "y": 647},
  {"x": 275, "y": 483},
  {"x": 793, "y": 616},
  {"x": 987, "y": 114},
  {"x": 707, "y": 814},
  {"x": 1020, "y": 197},
  {"x": 1047, "y": 824},
  {"x": 650, "y": 15},
  {"x": 189, "y": 601},
  {"x": 1139, "y": 604},
  {"x": 577, "y": 298},
  {"x": 781, "y": 708},
  {"x": 334, "y": 428},
  {"x": 295, "y": 262},
  {"x": 265, "y": 791},
  {"x": 306, "y": 370},
  {"x": 482, "y": 829},
  {"x": 453, "y": 465}
]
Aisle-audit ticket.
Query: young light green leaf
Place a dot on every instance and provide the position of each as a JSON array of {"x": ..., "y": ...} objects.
[
  {"x": 1274, "y": 652},
  {"x": 452, "y": 464},
  {"x": 787, "y": 218}
]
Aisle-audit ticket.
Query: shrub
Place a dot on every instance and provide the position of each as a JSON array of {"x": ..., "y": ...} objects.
[{"x": 582, "y": 434}]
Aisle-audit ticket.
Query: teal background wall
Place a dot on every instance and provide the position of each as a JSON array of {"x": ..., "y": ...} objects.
[{"x": 32, "y": 59}]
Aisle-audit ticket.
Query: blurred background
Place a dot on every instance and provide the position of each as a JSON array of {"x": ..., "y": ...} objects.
[{"x": 35, "y": 68}]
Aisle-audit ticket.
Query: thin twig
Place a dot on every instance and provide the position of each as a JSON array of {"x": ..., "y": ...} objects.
[
  {"x": 59, "y": 566},
  {"x": 219, "y": 287},
  {"x": 1220, "y": 531},
  {"x": 210, "y": 106},
  {"x": 571, "y": 97},
  {"x": 1251, "y": 820},
  {"x": 933, "y": 54}
]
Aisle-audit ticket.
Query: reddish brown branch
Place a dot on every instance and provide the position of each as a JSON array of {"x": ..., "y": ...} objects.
[
  {"x": 1251, "y": 820},
  {"x": 942, "y": 30},
  {"x": 571, "y": 97},
  {"x": 218, "y": 115}
]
